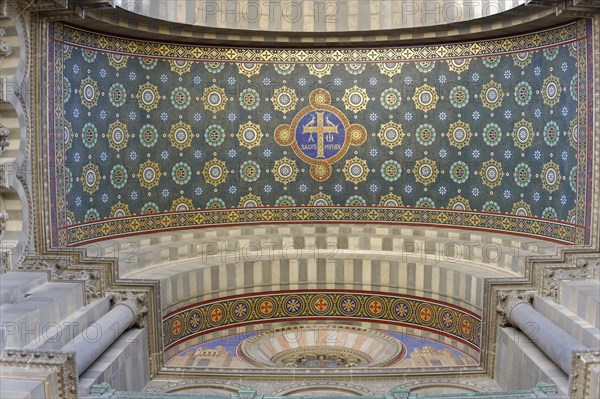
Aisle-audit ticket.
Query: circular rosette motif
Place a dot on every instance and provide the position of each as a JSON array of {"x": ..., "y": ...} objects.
[
  {"x": 391, "y": 134},
  {"x": 181, "y": 173},
  {"x": 391, "y": 200},
  {"x": 459, "y": 65},
  {"x": 182, "y": 204},
  {"x": 549, "y": 213},
  {"x": 574, "y": 88},
  {"x": 250, "y": 201},
  {"x": 249, "y": 68},
  {"x": 425, "y": 98},
  {"x": 240, "y": 310},
  {"x": 90, "y": 178},
  {"x": 572, "y": 178},
  {"x": 117, "y": 94},
  {"x": 149, "y": 175},
  {"x": 181, "y": 135},
  {"x": 89, "y": 135},
  {"x": 249, "y": 99},
  {"x": 148, "y": 135},
  {"x": 250, "y": 135},
  {"x": 284, "y": 99},
  {"x": 319, "y": 70},
  {"x": 523, "y": 134},
  {"x": 491, "y": 206},
  {"x": 523, "y": 93},
  {"x": 194, "y": 321},
  {"x": 459, "y": 96},
  {"x": 551, "y": 133},
  {"x": 148, "y": 63},
  {"x": 148, "y": 96},
  {"x": 117, "y": 61},
  {"x": 118, "y": 136},
  {"x": 283, "y": 135},
  {"x": 285, "y": 170},
  {"x": 492, "y": 134},
  {"x": 425, "y": 66},
  {"x": 214, "y": 99},
  {"x": 491, "y": 61},
  {"x": 551, "y": 176},
  {"x": 319, "y": 97},
  {"x": 425, "y": 314},
  {"x": 551, "y": 90},
  {"x": 375, "y": 307},
  {"x": 390, "y": 68},
  {"x": 284, "y": 69},
  {"x": 391, "y": 99},
  {"x": 356, "y": 170},
  {"x": 91, "y": 215},
  {"x": 320, "y": 199},
  {"x": 425, "y": 202},
  {"x": 88, "y": 55},
  {"x": 180, "y": 66},
  {"x": 355, "y": 99},
  {"x": 285, "y": 200},
  {"x": 492, "y": 95},
  {"x": 459, "y": 134},
  {"x": 550, "y": 53},
  {"x": 66, "y": 90},
  {"x": 522, "y": 59},
  {"x": 459, "y": 203},
  {"x": 119, "y": 210},
  {"x": 522, "y": 174},
  {"x": 149, "y": 208},
  {"x": 491, "y": 173},
  {"x": 447, "y": 318},
  {"x": 215, "y": 203},
  {"x": 68, "y": 180},
  {"x": 89, "y": 92},
  {"x": 215, "y": 172},
  {"x": 356, "y": 200},
  {"x": 573, "y": 133},
  {"x": 459, "y": 172},
  {"x": 180, "y": 98},
  {"x": 425, "y": 134},
  {"x": 214, "y": 67},
  {"x": 214, "y": 135},
  {"x": 118, "y": 176},
  {"x": 355, "y": 69},
  {"x": 391, "y": 170},
  {"x": 250, "y": 171},
  {"x": 320, "y": 171},
  {"x": 67, "y": 135},
  {"x": 521, "y": 208},
  {"x": 426, "y": 171}
]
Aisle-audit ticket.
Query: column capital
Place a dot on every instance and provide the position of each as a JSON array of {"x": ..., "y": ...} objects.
[
  {"x": 136, "y": 301},
  {"x": 5, "y": 49},
  {"x": 507, "y": 300}
]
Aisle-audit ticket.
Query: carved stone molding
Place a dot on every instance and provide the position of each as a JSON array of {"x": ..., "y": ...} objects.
[
  {"x": 583, "y": 367},
  {"x": 60, "y": 270},
  {"x": 135, "y": 301},
  {"x": 579, "y": 268},
  {"x": 62, "y": 365},
  {"x": 507, "y": 300},
  {"x": 5, "y": 49},
  {"x": 4, "y": 133}
]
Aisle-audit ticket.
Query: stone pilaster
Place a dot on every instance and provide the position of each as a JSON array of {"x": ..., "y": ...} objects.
[{"x": 585, "y": 375}]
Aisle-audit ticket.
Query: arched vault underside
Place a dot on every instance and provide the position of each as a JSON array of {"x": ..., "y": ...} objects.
[{"x": 244, "y": 279}]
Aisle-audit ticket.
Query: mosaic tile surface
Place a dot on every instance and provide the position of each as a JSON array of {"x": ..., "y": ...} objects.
[{"x": 496, "y": 140}]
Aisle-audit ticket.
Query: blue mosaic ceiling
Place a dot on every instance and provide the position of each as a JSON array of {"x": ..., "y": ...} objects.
[{"x": 497, "y": 133}]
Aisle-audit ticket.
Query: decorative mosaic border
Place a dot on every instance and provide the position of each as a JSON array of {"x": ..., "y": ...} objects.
[
  {"x": 540, "y": 228},
  {"x": 405, "y": 310},
  {"x": 77, "y": 37}
]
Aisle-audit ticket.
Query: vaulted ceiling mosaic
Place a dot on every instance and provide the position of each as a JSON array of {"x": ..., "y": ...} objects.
[{"x": 147, "y": 136}]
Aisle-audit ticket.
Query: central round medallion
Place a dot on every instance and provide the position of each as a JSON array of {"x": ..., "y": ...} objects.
[{"x": 322, "y": 346}]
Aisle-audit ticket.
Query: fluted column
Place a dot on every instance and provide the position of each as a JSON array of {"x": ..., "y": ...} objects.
[
  {"x": 128, "y": 309},
  {"x": 516, "y": 310}
]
